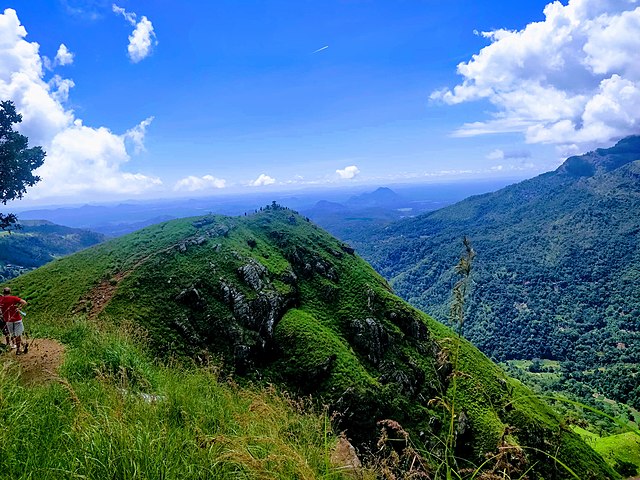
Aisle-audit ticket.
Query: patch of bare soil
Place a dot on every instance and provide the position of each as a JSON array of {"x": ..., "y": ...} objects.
[
  {"x": 95, "y": 301},
  {"x": 345, "y": 459},
  {"x": 40, "y": 364}
]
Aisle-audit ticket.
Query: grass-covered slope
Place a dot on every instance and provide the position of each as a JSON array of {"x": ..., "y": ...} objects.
[
  {"x": 558, "y": 268},
  {"x": 112, "y": 412},
  {"x": 622, "y": 450},
  {"x": 279, "y": 300}
]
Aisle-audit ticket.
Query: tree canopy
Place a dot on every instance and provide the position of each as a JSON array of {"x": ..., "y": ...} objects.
[{"x": 17, "y": 161}]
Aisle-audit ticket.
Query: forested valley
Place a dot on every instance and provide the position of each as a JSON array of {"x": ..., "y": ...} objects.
[{"x": 557, "y": 276}]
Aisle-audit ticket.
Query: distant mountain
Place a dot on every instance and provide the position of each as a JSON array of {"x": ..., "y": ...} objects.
[
  {"x": 325, "y": 207},
  {"x": 116, "y": 229},
  {"x": 359, "y": 214},
  {"x": 557, "y": 274},
  {"x": 39, "y": 242},
  {"x": 382, "y": 197},
  {"x": 279, "y": 300}
]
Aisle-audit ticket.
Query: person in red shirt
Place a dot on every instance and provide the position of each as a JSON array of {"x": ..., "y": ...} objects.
[{"x": 9, "y": 305}]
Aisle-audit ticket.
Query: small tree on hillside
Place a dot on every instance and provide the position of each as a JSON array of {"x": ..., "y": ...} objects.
[{"x": 17, "y": 161}]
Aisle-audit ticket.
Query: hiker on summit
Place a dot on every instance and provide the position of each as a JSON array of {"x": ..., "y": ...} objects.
[{"x": 11, "y": 315}]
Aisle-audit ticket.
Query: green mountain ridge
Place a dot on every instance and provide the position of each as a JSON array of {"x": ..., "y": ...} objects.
[
  {"x": 558, "y": 268},
  {"x": 279, "y": 300}
]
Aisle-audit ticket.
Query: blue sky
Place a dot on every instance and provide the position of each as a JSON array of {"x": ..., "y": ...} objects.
[{"x": 160, "y": 98}]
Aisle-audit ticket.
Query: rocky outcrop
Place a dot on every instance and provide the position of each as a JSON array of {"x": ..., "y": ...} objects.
[
  {"x": 348, "y": 249},
  {"x": 409, "y": 324},
  {"x": 370, "y": 338},
  {"x": 409, "y": 377},
  {"x": 197, "y": 241},
  {"x": 308, "y": 263},
  {"x": 253, "y": 273},
  {"x": 255, "y": 312},
  {"x": 203, "y": 222}
]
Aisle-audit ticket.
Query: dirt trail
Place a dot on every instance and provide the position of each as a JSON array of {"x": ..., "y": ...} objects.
[
  {"x": 41, "y": 363},
  {"x": 96, "y": 300}
]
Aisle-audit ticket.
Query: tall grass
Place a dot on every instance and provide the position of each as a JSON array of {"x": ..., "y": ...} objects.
[{"x": 116, "y": 413}]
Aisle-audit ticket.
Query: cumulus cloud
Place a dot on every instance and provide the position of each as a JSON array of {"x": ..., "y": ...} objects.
[
  {"x": 63, "y": 57},
  {"x": 262, "y": 180},
  {"x": 142, "y": 39},
  {"x": 83, "y": 157},
  {"x": 193, "y": 184},
  {"x": 347, "y": 173},
  {"x": 572, "y": 80},
  {"x": 80, "y": 159}
]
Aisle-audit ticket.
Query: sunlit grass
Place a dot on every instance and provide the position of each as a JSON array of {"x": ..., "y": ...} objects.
[{"x": 116, "y": 413}]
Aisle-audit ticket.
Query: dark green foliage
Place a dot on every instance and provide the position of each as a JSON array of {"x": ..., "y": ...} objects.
[
  {"x": 557, "y": 272},
  {"x": 626, "y": 469},
  {"x": 17, "y": 161},
  {"x": 297, "y": 308}
]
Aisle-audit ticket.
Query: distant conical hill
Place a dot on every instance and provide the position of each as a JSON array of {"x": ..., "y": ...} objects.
[
  {"x": 558, "y": 268},
  {"x": 280, "y": 300}
]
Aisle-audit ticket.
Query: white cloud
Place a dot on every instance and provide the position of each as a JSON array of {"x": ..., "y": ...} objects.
[
  {"x": 572, "y": 80},
  {"x": 192, "y": 183},
  {"x": 80, "y": 159},
  {"x": 262, "y": 180},
  {"x": 60, "y": 88},
  {"x": 90, "y": 157},
  {"x": 64, "y": 56},
  {"x": 129, "y": 17},
  {"x": 136, "y": 135},
  {"x": 348, "y": 173},
  {"x": 143, "y": 38}
]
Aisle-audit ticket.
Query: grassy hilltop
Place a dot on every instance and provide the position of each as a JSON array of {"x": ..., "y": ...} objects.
[{"x": 275, "y": 299}]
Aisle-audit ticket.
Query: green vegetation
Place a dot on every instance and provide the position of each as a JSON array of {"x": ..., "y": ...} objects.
[
  {"x": 557, "y": 273},
  {"x": 114, "y": 412},
  {"x": 17, "y": 161},
  {"x": 621, "y": 451},
  {"x": 274, "y": 299}
]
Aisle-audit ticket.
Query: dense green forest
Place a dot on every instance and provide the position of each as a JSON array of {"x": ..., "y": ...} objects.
[
  {"x": 557, "y": 269},
  {"x": 38, "y": 242},
  {"x": 274, "y": 299}
]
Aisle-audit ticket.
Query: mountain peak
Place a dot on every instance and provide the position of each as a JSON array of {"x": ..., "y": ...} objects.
[
  {"x": 382, "y": 196},
  {"x": 603, "y": 160}
]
